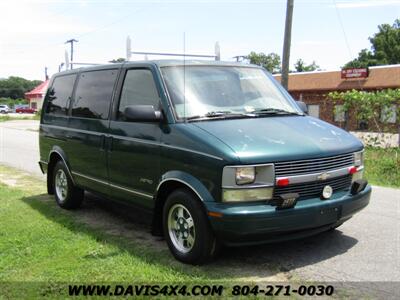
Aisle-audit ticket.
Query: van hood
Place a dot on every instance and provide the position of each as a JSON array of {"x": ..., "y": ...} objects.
[{"x": 280, "y": 138}]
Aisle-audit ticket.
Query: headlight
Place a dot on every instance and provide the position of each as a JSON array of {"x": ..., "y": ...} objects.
[
  {"x": 252, "y": 194},
  {"x": 359, "y": 158},
  {"x": 245, "y": 175}
]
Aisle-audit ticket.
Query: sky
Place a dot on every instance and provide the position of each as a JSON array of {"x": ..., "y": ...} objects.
[{"x": 330, "y": 32}]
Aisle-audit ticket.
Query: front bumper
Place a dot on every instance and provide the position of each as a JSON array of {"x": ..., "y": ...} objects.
[{"x": 257, "y": 223}]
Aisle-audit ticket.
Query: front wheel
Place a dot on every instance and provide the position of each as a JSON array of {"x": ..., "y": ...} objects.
[
  {"x": 187, "y": 230},
  {"x": 67, "y": 195}
]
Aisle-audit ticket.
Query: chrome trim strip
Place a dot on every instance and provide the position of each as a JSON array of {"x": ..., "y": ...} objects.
[
  {"x": 155, "y": 143},
  {"x": 316, "y": 176},
  {"x": 192, "y": 151},
  {"x": 131, "y": 191},
  {"x": 181, "y": 181},
  {"x": 314, "y": 159},
  {"x": 114, "y": 185},
  {"x": 90, "y": 178}
]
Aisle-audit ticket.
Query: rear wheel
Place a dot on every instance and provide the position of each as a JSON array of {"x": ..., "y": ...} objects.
[
  {"x": 187, "y": 230},
  {"x": 67, "y": 195}
]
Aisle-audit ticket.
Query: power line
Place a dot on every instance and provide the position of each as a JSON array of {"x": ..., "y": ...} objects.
[{"x": 343, "y": 30}]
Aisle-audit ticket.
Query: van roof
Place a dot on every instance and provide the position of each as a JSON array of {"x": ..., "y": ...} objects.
[{"x": 162, "y": 63}]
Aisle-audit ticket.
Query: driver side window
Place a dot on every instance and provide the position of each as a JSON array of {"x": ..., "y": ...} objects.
[{"x": 139, "y": 89}]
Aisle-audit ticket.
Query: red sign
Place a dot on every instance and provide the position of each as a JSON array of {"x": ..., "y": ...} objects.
[{"x": 354, "y": 73}]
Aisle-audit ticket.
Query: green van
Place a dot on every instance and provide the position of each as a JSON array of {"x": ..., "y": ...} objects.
[{"x": 218, "y": 152}]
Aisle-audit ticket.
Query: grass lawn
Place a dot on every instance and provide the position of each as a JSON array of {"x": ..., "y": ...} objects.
[
  {"x": 45, "y": 248},
  {"x": 383, "y": 166},
  {"x": 4, "y": 118}
]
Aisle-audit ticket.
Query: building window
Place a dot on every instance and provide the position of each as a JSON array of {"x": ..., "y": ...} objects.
[
  {"x": 34, "y": 105},
  {"x": 388, "y": 114},
  {"x": 339, "y": 113},
  {"x": 313, "y": 110}
]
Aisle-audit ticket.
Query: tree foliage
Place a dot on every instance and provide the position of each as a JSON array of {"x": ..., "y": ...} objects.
[
  {"x": 15, "y": 87},
  {"x": 271, "y": 62},
  {"x": 118, "y": 60},
  {"x": 300, "y": 66},
  {"x": 385, "y": 48}
]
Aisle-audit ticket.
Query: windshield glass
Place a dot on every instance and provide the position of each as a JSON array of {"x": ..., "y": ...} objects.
[{"x": 216, "y": 90}]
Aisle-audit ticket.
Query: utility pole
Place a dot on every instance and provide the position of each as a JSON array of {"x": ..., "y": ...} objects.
[
  {"x": 72, "y": 41},
  {"x": 286, "y": 44},
  {"x": 46, "y": 76}
]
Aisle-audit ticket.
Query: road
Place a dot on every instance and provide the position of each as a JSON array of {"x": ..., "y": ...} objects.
[
  {"x": 19, "y": 145},
  {"x": 364, "y": 249}
]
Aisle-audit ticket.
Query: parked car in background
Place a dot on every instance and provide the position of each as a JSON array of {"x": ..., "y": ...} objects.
[
  {"x": 4, "y": 109},
  {"x": 25, "y": 110}
]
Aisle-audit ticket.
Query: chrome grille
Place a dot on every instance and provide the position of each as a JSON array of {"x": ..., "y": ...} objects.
[
  {"x": 314, "y": 188},
  {"x": 318, "y": 165}
]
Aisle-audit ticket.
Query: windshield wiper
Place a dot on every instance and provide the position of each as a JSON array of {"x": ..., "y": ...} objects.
[
  {"x": 275, "y": 111},
  {"x": 218, "y": 115}
]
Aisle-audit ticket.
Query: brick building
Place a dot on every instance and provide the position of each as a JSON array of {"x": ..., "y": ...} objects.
[{"x": 313, "y": 87}]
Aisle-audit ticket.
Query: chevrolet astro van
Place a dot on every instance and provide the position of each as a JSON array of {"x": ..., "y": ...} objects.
[{"x": 218, "y": 152}]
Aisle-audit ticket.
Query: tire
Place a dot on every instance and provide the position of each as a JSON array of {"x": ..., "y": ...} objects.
[
  {"x": 66, "y": 194},
  {"x": 187, "y": 230}
]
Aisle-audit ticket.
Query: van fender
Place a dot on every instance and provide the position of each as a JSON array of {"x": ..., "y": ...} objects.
[
  {"x": 60, "y": 152},
  {"x": 190, "y": 181}
]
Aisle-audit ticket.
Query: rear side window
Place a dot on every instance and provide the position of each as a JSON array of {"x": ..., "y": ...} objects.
[
  {"x": 93, "y": 94},
  {"x": 138, "y": 89},
  {"x": 59, "y": 95}
]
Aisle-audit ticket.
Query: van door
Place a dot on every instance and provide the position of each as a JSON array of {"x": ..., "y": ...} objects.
[
  {"x": 88, "y": 127},
  {"x": 133, "y": 158}
]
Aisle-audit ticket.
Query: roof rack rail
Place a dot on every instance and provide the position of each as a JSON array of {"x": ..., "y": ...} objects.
[
  {"x": 129, "y": 52},
  {"x": 70, "y": 64}
]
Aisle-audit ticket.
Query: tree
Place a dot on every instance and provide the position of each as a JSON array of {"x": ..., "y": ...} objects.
[
  {"x": 300, "y": 66},
  {"x": 118, "y": 60},
  {"x": 15, "y": 87},
  {"x": 386, "y": 43},
  {"x": 271, "y": 62},
  {"x": 385, "y": 48}
]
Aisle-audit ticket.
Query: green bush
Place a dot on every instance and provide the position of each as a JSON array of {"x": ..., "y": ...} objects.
[
  {"x": 11, "y": 102},
  {"x": 382, "y": 166}
]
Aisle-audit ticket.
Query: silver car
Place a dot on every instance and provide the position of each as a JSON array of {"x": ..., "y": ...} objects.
[{"x": 4, "y": 109}]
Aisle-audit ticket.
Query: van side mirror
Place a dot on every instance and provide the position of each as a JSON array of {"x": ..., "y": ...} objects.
[
  {"x": 142, "y": 113},
  {"x": 302, "y": 106}
]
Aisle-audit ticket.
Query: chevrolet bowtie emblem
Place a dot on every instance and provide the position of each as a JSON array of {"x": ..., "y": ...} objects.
[{"x": 323, "y": 176}]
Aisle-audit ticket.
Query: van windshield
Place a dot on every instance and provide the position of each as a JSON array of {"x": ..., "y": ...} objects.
[{"x": 209, "y": 91}]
